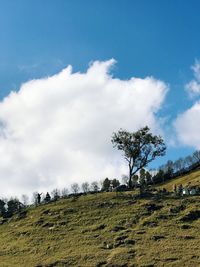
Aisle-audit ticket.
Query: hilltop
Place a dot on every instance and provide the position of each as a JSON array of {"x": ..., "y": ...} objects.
[{"x": 105, "y": 229}]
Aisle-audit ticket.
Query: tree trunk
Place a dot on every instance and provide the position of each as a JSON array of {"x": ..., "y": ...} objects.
[{"x": 130, "y": 184}]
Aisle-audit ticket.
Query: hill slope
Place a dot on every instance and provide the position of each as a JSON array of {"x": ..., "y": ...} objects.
[
  {"x": 193, "y": 178},
  {"x": 106, "y": 229}
]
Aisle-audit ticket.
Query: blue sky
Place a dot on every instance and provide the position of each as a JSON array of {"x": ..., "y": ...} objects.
[
  {"x": 159, "y": 38},
  {"x": 146, "y": 38}
]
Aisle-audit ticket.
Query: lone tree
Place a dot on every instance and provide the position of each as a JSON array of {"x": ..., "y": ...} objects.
[{"x": 139, "y": 148}]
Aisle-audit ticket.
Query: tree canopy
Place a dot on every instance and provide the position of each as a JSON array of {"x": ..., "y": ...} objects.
[{"x": 139, "y": 148}]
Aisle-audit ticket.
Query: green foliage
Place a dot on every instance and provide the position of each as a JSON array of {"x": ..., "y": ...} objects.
[
  {"x": 105, "y": 229},
  {"x": 13, "y": 206},
  {"x": 191, "y": 178},
  {"x": 159, "y": 177},
  {"x": 106, "y": 185},
  {"x": 139, "y": 148}
]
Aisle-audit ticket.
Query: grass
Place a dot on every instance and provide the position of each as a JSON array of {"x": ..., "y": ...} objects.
[
  {"x": 193, "y": 178},
  {"x": 106, "y": 229}
]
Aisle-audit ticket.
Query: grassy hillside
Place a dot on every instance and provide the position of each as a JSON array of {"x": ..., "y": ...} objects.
[
  {"x": 107, "y": 229},
  {"x": 193, "y": 178}
]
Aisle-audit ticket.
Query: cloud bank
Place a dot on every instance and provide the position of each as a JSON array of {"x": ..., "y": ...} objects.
[
  {"x": 187, "y": 124},
  {"x": 57, "y": 130}
]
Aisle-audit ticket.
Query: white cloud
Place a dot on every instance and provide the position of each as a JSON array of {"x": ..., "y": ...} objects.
[
  {"x": 196, "y": 70},
  {"x": 57, "y": 130},
  {"x": 193, "y": 87},
  {"x": 187, "y": 126}
]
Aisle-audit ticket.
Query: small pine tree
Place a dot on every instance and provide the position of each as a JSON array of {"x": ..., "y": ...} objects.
[{"x": 106, "y": 185}]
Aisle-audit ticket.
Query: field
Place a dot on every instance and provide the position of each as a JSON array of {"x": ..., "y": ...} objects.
[{"x": 105, "y": 229}]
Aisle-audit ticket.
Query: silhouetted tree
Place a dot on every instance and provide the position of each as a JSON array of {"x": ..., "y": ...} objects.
[
  {"x": 64, "y": 192},
  {"x": 169, "y": 170},
  {"x": 13, "y": 206},
  {"x": 55, "y": 194},
  {"x": 85, "y": 187},
  {"x": 158, "y": 177},
  {"x": 75, "y": 188},
  {"x": 179, "y": 165},
  {"x": 106, "y": 185},
  {"x": 94, "y": 186},
  {"x": 189, "y": 161}
]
